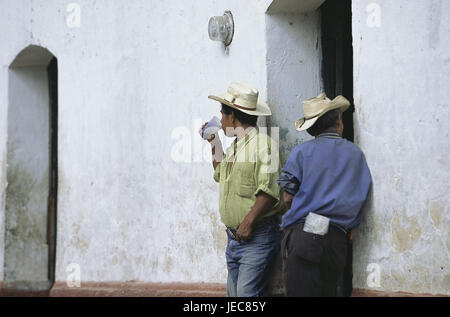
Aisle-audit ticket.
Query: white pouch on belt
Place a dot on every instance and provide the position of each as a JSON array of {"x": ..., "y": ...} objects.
[{"x": 316, "y": 224}]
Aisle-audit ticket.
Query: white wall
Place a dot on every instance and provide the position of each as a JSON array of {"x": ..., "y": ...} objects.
[
  {"x": 293, "y": 71},
  {"x": 128, "y": 76},
  {"x": 401, "y": 78}
]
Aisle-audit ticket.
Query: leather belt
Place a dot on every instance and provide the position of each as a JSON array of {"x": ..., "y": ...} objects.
[{"x": 345, "y": 231}]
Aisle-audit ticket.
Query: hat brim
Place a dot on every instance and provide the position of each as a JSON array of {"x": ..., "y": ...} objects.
[
  {"x": 262, "y": 109},
  {"x": 303, "y": 124}
]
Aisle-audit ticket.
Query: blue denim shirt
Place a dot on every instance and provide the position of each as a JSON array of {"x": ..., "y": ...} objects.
[{"x": 328, "y": 176}]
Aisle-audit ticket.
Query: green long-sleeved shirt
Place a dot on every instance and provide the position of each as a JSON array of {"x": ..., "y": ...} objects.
[{"x": 255, "y": 168}]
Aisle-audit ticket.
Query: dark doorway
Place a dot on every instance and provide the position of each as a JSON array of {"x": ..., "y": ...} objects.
[
  {"x": 337, "y": 75},
  {"x": 52, "y": 71},
  {"x": 337, "y": 58}
]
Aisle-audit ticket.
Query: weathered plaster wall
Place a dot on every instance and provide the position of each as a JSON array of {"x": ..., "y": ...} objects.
[
  {"x": 128, "y": 76},
  {"x": 293, "y": 71},
  {"x": 401, "y": 79}
]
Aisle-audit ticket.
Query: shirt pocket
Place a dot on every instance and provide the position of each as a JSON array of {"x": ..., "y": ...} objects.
[
  {"x": 245, "y": 172},
  {"x": 245, "y": 190}
]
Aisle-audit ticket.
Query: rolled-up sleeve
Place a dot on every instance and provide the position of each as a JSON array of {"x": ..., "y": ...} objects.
[
  {"x": 267, "y": 171},
  {"x": 290, "y": 177},
  {"x": 288, "y": 182}
]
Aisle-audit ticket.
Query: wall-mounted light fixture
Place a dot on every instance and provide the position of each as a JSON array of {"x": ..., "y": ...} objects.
[{"x": 221, "y": 28}]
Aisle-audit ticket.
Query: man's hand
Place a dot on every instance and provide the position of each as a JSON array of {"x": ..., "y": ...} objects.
[
  {"x": 212, "y": 136},
  {"x": 287, "y": 200},
  {"x": 244, "y": 231},
  {"x": 263, "y": 204},
  {"x": 216, "y": 147}
]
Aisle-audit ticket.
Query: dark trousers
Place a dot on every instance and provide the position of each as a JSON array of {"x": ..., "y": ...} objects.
[
  {"x": 313, "y": 264},
  {"x": 345, "y": 283}
]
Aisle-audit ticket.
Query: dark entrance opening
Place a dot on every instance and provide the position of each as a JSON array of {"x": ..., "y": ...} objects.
[
  {"x": 52, "y": 71},
  {"x": 337, "y": 75},
  {"x": 337, "y": 58}
]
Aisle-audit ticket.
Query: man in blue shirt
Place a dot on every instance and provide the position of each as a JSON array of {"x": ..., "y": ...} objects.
[{"x": 327, "y": 176}]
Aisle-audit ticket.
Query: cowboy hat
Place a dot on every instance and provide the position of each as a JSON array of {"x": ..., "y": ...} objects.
[
  {"x": 243, "y": 98},
  {"x": 316, "y": 107}
]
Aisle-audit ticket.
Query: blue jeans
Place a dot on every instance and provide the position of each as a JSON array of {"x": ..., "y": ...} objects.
[{"x": 250, "y": 263}]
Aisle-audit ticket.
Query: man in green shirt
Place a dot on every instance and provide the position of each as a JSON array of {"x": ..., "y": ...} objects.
[{"x": 250, "y": 203}]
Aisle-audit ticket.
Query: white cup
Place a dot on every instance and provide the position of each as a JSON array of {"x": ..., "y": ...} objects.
[{"x": 211, "y": 128}]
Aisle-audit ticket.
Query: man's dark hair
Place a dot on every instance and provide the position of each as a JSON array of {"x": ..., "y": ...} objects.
[
  {"x": 241, "y": 116},
  {"x": 328, "y": 120}
]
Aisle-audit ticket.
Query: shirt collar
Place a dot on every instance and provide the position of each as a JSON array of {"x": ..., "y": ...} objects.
[
  {"x": 330, "y": 135},
  {"x": 238, "y": 145},
  {"x": 246, "y": 138}
]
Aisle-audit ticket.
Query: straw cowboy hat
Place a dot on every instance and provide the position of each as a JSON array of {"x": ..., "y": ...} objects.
[
  {"x": 316, "y": 107},
  {"x": 243, "y": 98}
]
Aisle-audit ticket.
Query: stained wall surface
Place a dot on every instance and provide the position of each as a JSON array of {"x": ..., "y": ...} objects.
[
  {"x": 401, "y": 80},
  {"x": 134, "y": 78},
  {"x": 293, "y": 71}
]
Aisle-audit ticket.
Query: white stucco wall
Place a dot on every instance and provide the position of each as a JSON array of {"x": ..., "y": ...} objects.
[
  {"x": 293, "y": 71},
  {"x": 131, "y": 73},
  {"x": 401, "y": 79}
]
